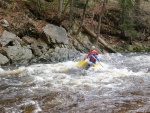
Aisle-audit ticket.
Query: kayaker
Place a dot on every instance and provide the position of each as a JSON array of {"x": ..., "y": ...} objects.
[
  {"x": 92, "y": 59},
  {"x": 93, "y": 48}
]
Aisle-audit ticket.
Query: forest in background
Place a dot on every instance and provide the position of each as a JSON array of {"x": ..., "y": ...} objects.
[{"x": 114, "y": 25}]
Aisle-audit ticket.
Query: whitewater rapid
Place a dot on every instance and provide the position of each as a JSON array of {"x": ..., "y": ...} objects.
[{"x": 120, "y": 85}]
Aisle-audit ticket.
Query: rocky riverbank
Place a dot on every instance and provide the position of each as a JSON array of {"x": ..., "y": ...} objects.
[
  {"x": 27, "y": 36},
  {"x": 53, "y": 46}
]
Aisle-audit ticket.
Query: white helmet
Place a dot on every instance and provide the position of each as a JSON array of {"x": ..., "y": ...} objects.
[{"x": 93, "y": 47}]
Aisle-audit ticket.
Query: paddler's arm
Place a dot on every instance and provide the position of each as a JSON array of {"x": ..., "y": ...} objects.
[
  {"x": 96, "y": 58},
  {"x": 87, "y": 55}
]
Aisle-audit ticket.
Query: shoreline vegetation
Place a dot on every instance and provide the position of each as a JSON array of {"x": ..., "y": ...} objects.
[{"x": 57, "y": 30}]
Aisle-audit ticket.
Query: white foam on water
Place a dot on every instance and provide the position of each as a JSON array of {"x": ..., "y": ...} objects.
[
  {"x": 105, "y": 80},
  {"x": 56, "y": 75}
]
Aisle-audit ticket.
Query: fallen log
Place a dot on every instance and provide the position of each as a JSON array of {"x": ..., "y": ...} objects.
[{"x": 91, "y": 33}]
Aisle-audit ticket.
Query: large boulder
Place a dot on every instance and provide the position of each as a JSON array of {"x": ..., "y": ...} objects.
[
  {"x": 8, "y": 38},
  {"x": 55, "y": 35},
  {"x": 3, "y": 59},
  {"x": 58, "y": 54},
  {"x": 18, "y": 54}
]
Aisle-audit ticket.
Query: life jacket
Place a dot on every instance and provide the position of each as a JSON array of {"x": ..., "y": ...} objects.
[
  {"x": 95, "y": 51},
  {"x": 92, "y": 58},
  {"x": 91, "y": 52}
]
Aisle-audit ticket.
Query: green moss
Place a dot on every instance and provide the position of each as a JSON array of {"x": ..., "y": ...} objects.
[
  {"x": 133, "y": 48},
  {"x": 141, "y": 49}
]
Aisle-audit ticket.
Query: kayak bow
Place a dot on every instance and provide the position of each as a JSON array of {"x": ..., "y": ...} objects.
[{"x": 82, "y": 63}]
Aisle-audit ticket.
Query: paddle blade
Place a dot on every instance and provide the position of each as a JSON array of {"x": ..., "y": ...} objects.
[
  {"x": 97, "y": 64},
  {"x": 82, "y": 63}
]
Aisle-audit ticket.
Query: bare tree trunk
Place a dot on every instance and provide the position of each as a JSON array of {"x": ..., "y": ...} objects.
[
  {"x": 92, "y": 20},
  {"x": 83, "y": 17},
  {"x": 39, "y": 5},
  {"x": 71, "y": 14},
  {"x": 100, "y": 18},
  {"x": 60, "y": 8},
  {"x": 99, "y": 39}
]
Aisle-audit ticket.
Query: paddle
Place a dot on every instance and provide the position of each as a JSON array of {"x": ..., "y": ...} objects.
[
  {"x": 100, "y": 64},
  {"x": 97, "y": 60},
  {"x": 82, "y": 63}
]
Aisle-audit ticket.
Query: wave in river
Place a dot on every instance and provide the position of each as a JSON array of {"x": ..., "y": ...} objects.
[{"x": 120, "y": 86}]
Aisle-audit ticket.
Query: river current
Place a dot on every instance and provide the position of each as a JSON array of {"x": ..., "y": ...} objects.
[{"x": 120, "y": 85}]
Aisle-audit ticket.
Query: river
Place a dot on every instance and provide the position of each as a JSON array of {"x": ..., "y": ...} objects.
[{"x": 120, "y": 85}]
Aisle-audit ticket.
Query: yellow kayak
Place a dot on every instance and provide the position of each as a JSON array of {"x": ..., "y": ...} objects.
[{"x": 82, "y": 63}]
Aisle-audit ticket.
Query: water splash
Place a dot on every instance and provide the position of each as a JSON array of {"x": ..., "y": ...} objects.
[{"x": 121, "y": 85}]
